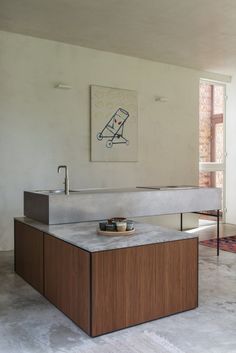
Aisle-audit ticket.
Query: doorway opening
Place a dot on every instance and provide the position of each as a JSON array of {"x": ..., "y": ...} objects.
[{"x": 212, "y": 139}]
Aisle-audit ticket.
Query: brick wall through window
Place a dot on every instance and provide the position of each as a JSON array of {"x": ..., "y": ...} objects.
[{"x": 211, "y": 108}]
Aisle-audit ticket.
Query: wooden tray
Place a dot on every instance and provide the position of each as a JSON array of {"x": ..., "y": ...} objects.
[{"x": 115, "y": 233}]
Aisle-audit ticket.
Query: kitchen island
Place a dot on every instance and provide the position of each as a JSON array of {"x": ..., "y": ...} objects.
[
  {"x": 108, "y": 283},
  {"x": 56, "y": 207}
]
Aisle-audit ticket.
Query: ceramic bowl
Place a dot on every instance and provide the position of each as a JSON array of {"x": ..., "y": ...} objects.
[
  {"x": 121, "y": 226},
  {"x": 119, "y": 219},
  {"x": 130, "y": 225},
  {"x": 111, "y": 227},
  {"x": 102, "y": 225}
]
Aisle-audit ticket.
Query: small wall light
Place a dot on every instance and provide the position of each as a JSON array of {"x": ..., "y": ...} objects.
[
  {"x": 62, "y": 86},
  {"x": 161, "y": 99}
]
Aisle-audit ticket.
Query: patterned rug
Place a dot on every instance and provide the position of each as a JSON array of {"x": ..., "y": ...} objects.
[{"x": 226, "y": 243}]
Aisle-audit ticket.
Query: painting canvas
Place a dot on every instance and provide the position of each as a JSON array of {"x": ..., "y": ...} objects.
[{"x": 114, "y": 124}]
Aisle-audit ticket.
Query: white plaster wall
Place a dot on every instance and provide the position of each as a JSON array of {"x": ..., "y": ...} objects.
[{"x": 42, "y": 127}]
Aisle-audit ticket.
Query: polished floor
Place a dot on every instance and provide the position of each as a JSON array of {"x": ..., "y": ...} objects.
[
  {"x": 30, "y": 324},
  {"x": 207, "y": 229}
]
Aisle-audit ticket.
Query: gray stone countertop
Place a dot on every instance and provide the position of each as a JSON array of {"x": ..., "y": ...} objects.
[{"x": 84, "y": 235}]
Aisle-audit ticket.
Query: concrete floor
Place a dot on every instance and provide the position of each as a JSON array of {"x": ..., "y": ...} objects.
[
  {"x": 30, "y": 324},
  {"x": 207, "y": 230}
]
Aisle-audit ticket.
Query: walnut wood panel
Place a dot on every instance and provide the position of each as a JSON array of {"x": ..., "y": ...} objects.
[
  {"x": 67, "y": 279},
  {"x": 29, "y": 254},
  {"x": 138, "y": 284}
]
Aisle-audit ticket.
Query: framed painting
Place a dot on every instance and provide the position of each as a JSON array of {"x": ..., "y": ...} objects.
[{"x": 114, "y": 124}]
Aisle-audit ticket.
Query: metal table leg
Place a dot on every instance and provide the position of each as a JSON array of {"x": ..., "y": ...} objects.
[
  {"x": 217, "y": 227},
  {"x": 181, "y": 221}
]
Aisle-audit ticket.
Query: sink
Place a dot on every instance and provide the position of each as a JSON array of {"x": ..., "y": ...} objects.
[{"x": 53, "y": 192}]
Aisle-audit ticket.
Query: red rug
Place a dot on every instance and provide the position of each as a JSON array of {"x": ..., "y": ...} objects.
[{"x": 226, "y": 244}]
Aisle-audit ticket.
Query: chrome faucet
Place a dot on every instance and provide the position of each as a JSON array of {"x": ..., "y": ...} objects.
[{"x": 66, "y": 182}]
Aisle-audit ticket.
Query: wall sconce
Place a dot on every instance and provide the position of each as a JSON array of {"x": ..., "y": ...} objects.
[
  {"x": 62, "y": 86},
  {"x": 160, "y": 99}
]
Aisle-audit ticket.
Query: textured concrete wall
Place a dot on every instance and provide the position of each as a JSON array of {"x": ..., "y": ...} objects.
[{"x": 42, "y": 127}]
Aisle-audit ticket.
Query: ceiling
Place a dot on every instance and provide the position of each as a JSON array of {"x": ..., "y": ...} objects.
[{"x": 198, "y": 34}]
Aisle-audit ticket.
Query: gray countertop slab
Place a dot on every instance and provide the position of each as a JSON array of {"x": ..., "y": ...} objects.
[
  {"x": 88, "y": 205},
  {"x": 84, "y": 235}
]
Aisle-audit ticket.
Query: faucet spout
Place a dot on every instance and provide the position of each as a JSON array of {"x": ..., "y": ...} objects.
[{"x": 66, "y": 182}]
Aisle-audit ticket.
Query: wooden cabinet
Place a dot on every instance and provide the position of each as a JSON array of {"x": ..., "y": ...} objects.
[
  {"x": 108, "y": 290},
  {"x": 143, "y": 283},
  {"x": 67, "y": 279},
  {"x": 29, "y": 254}
]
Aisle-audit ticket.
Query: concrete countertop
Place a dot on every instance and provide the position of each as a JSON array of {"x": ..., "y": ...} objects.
[
  {"x": 108, "y": 190},
  {"x": 96, "y": 204},
  {"x": 84, "y": 235}
]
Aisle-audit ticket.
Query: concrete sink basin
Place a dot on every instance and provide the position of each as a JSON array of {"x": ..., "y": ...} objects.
[
  {"x": 51, "y": 192},
  {"x": 54, "y": 207}
]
